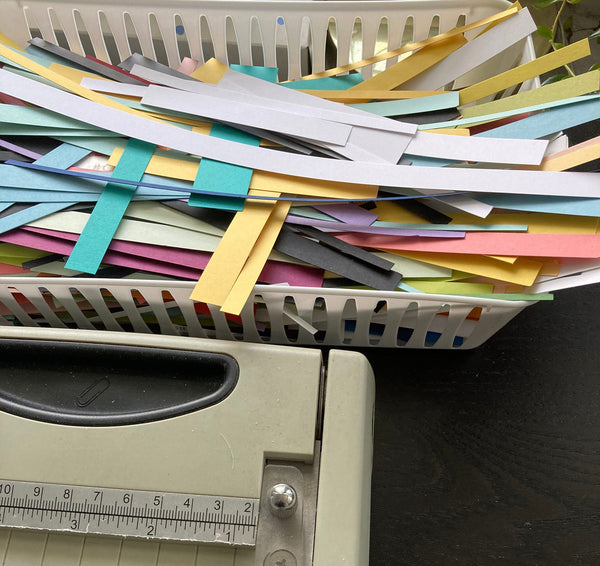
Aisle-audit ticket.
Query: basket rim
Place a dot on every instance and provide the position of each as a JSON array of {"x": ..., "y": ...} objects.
[{"x": 47, "y": 282}]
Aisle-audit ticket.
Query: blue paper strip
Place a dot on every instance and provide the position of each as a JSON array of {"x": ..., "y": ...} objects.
[
  {"x": 64, "y": 155},
  {"x": 411, "y": 105}
]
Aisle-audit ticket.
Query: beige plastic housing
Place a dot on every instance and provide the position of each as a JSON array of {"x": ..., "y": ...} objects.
[{"x": 219, "y": 450}]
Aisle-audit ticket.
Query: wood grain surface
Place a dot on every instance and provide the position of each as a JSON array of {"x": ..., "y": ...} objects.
[{"x": 492, "y": 455}]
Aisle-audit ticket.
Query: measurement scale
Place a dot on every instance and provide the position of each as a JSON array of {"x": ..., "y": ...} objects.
[
  {"x": 123, "y": 449},
  {"x": 146, "y": 514}
]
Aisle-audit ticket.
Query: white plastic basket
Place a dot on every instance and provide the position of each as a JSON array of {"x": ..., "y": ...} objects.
[{"x": 271, "y": 33}]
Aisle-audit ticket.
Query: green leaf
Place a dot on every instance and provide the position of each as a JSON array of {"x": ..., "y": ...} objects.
[
  {"x": 596, "y": 34},
  {"x": 555, "y": 79},
  {"x": 573, "y": 1},
  {"x": 540, "y": 4},
  {"x": 558, "y": 46},
  {"x": 595, "y": 67},
  {"x": 545, "y": 32}
]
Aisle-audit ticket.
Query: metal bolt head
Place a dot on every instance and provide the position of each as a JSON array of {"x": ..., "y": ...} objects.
[
  {"x": 280, "y": 558},
  {"x": 283, "y": 500}
]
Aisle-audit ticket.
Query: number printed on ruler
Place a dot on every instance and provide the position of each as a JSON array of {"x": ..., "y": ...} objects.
[{"x": 121, "y": 512}]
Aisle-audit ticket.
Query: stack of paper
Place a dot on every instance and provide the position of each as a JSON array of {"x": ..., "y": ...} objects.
[{"x": 400, "y": 182}]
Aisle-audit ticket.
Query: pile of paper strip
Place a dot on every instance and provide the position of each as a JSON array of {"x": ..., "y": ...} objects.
[{"x": 416, "y": 179}]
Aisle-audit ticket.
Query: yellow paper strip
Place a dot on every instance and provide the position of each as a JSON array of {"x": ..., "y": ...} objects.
[
  {"x": 450, "y": 288},
  {"x": 412, "y": 66},
  {"x": 577, "y": 155},
  {"x": 537, "y": 222},
  {"x": 228, "y": 260},
  {"x": 450, "y": 131},
  {"x": 366, "y": 95},
  {"x": 261, "y": 180},
  {"x": 256, "y": 260},
  {"x": 567, "y": 88},
  {"x": 522, "y": 272},
  {"x": 68, "y": 84},
  {"x": 75, "y": 75},
  {"x": 524, "y": 72},
  {"x": 211, "y": 72},
  {"x": 414, "y": 46}
]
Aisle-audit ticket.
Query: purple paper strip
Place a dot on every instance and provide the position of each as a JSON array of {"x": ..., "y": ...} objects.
[
  {"x": 20, "y": 150},
  {"x": 341, "y": 227},
  {"x": 349, "y": 213}
]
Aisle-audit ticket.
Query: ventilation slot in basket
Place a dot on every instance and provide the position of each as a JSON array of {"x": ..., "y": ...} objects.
[
  {"x": 158, "y": 43},
  {"x": 133, "y": 40},
  {"x": 407, "y": 324},
  {"x": 378, "y": 323},
  {"x": 208, "y": 47},
  {"x": 258, "y": 54},
  {"x": 109, "y": 39},
  {"x": 281, "y": 48},
  {"x": 183, "y": 44},
  {"x": 57, "y": 29}
]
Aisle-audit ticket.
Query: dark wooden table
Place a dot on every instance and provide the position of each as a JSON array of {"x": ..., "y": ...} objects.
[{"x": 492, "y": 456}]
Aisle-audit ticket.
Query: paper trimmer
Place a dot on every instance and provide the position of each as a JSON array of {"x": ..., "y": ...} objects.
[{"x": 128, "y": 449}]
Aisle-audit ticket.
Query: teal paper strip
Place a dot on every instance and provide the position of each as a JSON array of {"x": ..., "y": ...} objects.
[
  {"x": 265, "y": 73},
  {"x": 110, "y": 208},
  {"x": 219, "y": 176},
  {"x": 327, "y": 83}
]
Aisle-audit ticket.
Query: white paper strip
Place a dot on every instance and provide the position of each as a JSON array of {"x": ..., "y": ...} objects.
[
  {"x": 247, "y": 114},
  {"x": 466, "y": 148},
  {"x": 475, "y": 53},
  {"x": 382, "y": 174},
  {"x": 304, "y": 105}
]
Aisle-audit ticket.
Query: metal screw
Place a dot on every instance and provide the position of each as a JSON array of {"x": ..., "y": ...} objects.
[
  {"x": 280, "y": 558},
  {"x": 283, "y": 500}
]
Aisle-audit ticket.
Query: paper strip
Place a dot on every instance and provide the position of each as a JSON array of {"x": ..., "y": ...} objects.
[
  {"x": 529, "y": 70},
  {"x": 273, "y": 272},
  {"x": 522, "y": 272},
  {"x": 551, "y": 121},
  {"x": 62, "y": 156},
  {"x": 218, "y": 176},
  {"x": 572, "y": 157},
  {"x": 410, "y": 106},
  {"x": 561, "y": 90},
  {"x": 230, "y": 256},
  {"x": 414, "y": 46},
  {"x": 510, "y": 244},
  {"x": 289, "y": 101},
  {"x": 349, "y": 213},
  {"x": 108, "y": 212},
  {"x": 247, "y": 114},
  {"x": 412, "y": 66},
  {"x": 255, "y": 262},
  {"x": 384, "y": 230},
  {"x": 335, "y": 261},
  {"x": 475, "y": 53},
  {"x": 496, "y": 181},
  {"x": 512, "y": 151},
  {"x": 20, "y": 150}
]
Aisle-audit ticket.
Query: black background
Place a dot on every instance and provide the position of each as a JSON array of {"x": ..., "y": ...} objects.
[{"x": 492, "y": 455}]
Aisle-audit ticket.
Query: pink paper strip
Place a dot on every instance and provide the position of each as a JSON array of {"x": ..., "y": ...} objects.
[
  {"x": 188, "y": 66},
  {"x": 496, "y": 243},
  {"x": 169, "y": 260}
]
